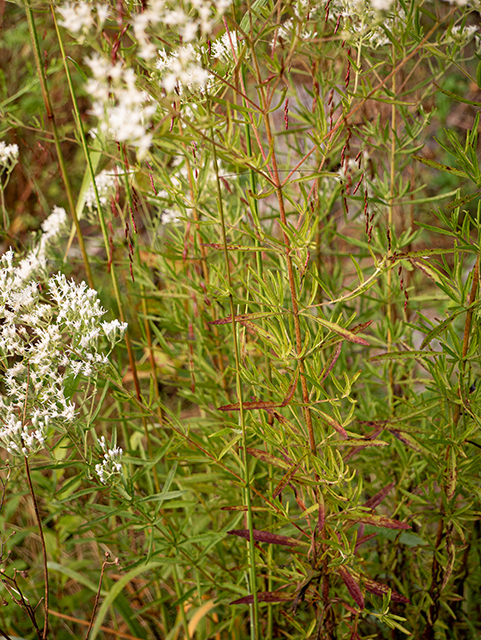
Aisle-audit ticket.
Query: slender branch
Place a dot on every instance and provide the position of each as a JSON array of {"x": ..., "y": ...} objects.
[
  {"x": 97, "y": 595},
  {"x": 108, "y": 630},
  {"x": 58, "y": 148},
  {"x": 253, "y": 578},
  {"x": 44, "y": 548},
  {"x": 467, "y": 332},
  {"x": 343, "y": 118},
  {"x": 392, "y": 178},
  {"x": 292, "y": 287},
  {"x": 102, "y": 222},
  {"x": 5, "y": 635},
  {"x": 17, "y": 597}
]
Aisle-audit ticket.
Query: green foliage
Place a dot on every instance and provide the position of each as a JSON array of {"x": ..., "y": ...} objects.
[{"x": 296, "y": 251}]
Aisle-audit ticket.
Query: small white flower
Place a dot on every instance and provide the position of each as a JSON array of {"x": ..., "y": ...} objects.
[
  {"x": 106, "y": 182},
  {"x": 124, "y": 111},
  {"x": 55, "y": 223},
  {"x": 114, "y": 330},
  {"x": 182, "y": 68},
  {"x": 76, "y": 17},
  {"x": 8, "y": 155},
  {"x": 222, "y": 47},
  {"x": 103, "y": 11},
  {"x": 111, "y": 463},
  {"x": 381, "y": 5},
  {"x": 463, "y": 35},
  {"x": 169, "y": 216}
]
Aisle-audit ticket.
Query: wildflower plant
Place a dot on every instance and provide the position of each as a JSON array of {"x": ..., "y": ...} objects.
[
  {"x": 45, "y": 340},
  {"x": 8, "y": 160}
]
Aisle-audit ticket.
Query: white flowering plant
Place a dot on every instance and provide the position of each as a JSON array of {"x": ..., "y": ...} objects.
[
  {"x": 8, "y": 160},
  {"x": 45, "y": 339}
]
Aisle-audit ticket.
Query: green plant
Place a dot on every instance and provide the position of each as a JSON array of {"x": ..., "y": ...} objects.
[{"x": 297, "y": 399}]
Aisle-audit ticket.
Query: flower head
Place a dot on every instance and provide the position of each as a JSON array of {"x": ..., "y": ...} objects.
[
  {"x": 111, "y": 464},
  {"x": 8, "y": 155},
  {"x": 45, "y": 339}
]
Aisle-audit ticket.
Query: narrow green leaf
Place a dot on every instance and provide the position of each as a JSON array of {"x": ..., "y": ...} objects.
[
  {"x": 442, "y": 167},
  {"x": 166, "y": 495},
  {"x": 345, "y": 333},
  {"x": 440, "y": 328},
  {"x": 402, "y": 355},
  {"x": 359, "y": 442},
  {"x": 75, "y": 575},
  {"x": 461, "y": 201},
  {"x": 454, "y": 96},
  {"x": 268, "y": 458}
]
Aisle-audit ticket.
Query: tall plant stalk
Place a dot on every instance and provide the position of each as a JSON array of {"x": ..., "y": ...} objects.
[
  {"x": 58, "y": 148},
  {"x": 44, "y": 549},
  {"x": 240, "y": 397},
  {"x": 103, "y": 225}
]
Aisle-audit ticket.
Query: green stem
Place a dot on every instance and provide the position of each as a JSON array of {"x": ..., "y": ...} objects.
[
  {"x": 4, "y": 210},
  {"x": 102, "y": 222},
  {"x": 137, "y": 387},
  {"x": 181, "y": 605},
  {"x": 252, "y": 179},
  {"x": 467, "y": 332},
  {"x": 390, "y": 309},
  {"x": 61, "y": 161},
  {"x": 358, "y": 59},
  {"x": 251, "y": 547}
]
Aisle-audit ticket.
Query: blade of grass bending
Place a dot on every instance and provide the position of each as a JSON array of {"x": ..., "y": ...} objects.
[
  {"x": 251, "y": 547},
  {"x": 61, "y": 162},
  {"x": 103, "y": 225},
  {"x": 116, "y": 591},
  {"x": 252, "y": 178},
  {"x": 147, "y": 329}
]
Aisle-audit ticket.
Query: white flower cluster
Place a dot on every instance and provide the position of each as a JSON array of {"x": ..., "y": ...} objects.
[
  {"x": 8, "y": 155},
  {"x": 184, "y": 19},
  {"x": 169, "y": 216},
  {"x": 79, "y": 17},
  {"x": 111, "y": 463},
  {"x": 381, "y": 5},
  {"x": 461, "y": 35},
  {"x": 45, "y": 339},
  {"x": 289, "y": 28},
  {"x": 360, "y": 19},
  {"x": 363, "y": 21},
  {"x": 35, "y": 262},
  {"x": 106, "y": 182},
  {"x": 224, "y": 47},
  {"x": 123, "y": 110},
  {"x": 182, "y": 69},
  {"x": 18, "y": 439}
]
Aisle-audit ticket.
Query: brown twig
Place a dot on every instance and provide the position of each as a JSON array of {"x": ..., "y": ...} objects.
[
  {"x": 17, "y": 597},
  {"x": 44, "y": 548},
  {"x": 467, "y": 332},
  {"x": 109, "y": 630},
  {"x": 97, "y": 595}
]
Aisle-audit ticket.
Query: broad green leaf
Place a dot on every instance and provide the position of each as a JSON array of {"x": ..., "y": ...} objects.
[
  {"x": 75, "y": 575},
  {"x": 116, "y": 590}
]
